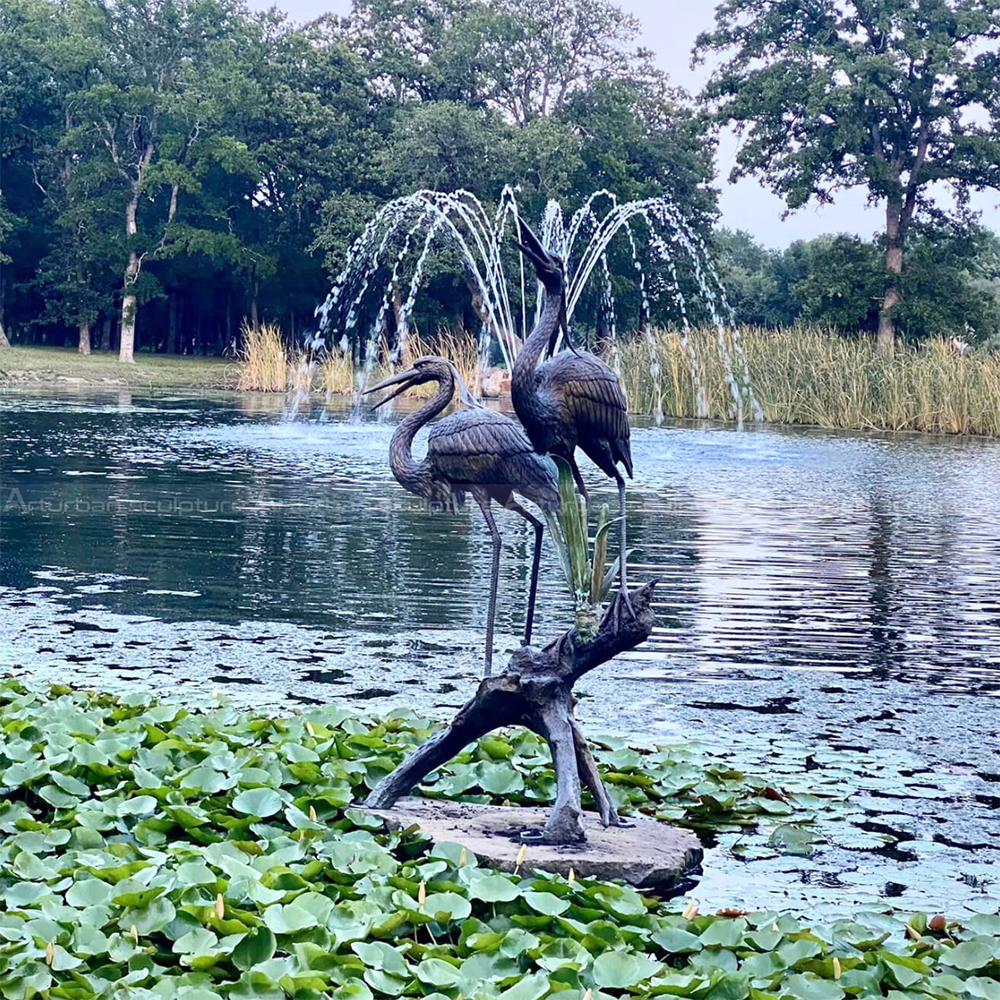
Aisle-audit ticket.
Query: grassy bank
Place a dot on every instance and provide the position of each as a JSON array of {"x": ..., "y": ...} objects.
[
  {"x": 64, "y": 366},
  {"x": 151, "y": 850},
  {"x": 811, "y": 376}
]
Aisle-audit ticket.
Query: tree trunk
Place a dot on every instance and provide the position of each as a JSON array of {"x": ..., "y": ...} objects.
[
  {"x": 104, "y": 340},
  {"x": 894, "y": 270},
  {"x": 254, "y": 318},
  {"x": 126, "y": 350},
  {"x": 4, "y": 342},
  {"x": 172, "y": 325},
  {"x": 536, "y": 691},
  {"x": 83, "y": 345}
]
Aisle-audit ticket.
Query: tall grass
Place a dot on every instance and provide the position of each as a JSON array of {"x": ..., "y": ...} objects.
[
  {"x": 337, "y": 373},
  {"x": 460, "y": 347},
  {"x": 807, "y": 375},
  {"x": 262, "y": 359}
]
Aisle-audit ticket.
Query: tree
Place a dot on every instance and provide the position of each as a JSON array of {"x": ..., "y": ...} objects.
[
  {"x": 8, "y": 221},
  {"x": 148, "y": 119},
  {"x": 894, "y": 96}
]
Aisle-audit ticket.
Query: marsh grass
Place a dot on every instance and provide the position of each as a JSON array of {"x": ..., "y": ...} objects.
[
  {"x": 262, "y": 359},
  {"x": 808, "y": 375},
  {"x": 338, "y": 377},
  {"x": 336, "y": 373}
]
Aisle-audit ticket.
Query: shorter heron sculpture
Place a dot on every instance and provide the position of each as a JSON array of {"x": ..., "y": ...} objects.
[{"x": 474, "y": 450}]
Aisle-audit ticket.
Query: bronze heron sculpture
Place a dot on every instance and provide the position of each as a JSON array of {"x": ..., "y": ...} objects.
[
  {"x": 574, "y": 399},
  {"x": 473, "y": 450}
]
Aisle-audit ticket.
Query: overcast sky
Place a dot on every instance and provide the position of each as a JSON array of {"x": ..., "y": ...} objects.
[{"x": 669, "y": 28}]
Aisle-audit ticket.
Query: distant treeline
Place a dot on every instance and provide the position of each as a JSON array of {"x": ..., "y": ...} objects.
[
  {"x": 171, "y": 167},
  {"x": 951, "y": 286}
]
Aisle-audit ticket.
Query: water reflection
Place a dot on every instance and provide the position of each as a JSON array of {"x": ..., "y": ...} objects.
[
  {"x": 791, "y": 549},
  {"x": 819, "y": 592}
]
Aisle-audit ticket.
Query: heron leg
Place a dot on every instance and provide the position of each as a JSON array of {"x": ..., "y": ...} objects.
[
  {"x": 580, "y": 484},
  {"x": 623, "y": 603},
  {"x": 512, "y": 504},
  {"x": 483, "y": 499}
]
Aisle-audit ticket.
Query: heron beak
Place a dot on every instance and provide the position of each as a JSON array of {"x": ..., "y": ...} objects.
[
  {"x": 404, "y": 380},
  {"x": 531, "y": 255},
  {"x": 530, "y": 245}
]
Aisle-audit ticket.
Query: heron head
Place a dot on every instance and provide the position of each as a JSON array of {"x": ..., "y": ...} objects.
[
  {"x": 429, "y": 368},
  {"x": 548, "y": 266}
]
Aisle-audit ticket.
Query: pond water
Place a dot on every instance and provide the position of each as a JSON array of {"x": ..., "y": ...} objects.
[{"x": 829, "y": 605}]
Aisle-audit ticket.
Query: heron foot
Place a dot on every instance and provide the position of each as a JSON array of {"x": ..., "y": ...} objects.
[{"x": 621, "y": 609}]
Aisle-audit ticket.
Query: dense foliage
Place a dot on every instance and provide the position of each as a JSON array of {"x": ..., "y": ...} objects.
[
  {"x": 950, "y": 289},
  {"x": 191, "y": 163},
  {"x": 148, "y": 850},
  {"x": 895, "y": 96}
]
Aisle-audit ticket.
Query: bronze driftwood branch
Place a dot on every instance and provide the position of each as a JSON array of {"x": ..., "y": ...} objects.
[{"x": 536, "y": 691}]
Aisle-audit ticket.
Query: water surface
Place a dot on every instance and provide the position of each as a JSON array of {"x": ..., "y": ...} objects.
[{"x": 820, "y": 594}]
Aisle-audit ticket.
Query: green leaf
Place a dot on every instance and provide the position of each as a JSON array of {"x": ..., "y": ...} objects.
[
  {"x": 969, "y": 955},
  {"x": 492, "y": 888},
  {"x": 810, "y": 987},
  {"x": 546, "y": 902},
  {"x": 622, "y": 970},
  {"x": 261, "y": 802},
  {"x": 258, "y": 946}
]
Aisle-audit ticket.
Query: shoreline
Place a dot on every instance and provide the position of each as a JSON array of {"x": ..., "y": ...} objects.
[{"x": 63, "y": 369}]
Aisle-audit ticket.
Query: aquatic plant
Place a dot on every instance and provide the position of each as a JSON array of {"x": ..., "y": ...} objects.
[
  {"x": 810, "y": 375},
  {"x": 584, "y": 563},
  {"x": 151, "y": 850}
]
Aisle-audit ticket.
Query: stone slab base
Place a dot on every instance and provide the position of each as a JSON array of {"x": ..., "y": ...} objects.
[{"x": 648, "y": 855}]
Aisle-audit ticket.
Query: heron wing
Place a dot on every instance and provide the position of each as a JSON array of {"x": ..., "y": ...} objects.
[
  {"x": 486, "y": 448},
  {"x": 590, "y": 395}
]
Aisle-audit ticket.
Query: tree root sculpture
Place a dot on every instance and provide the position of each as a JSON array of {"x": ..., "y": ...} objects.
[{"x": 536, "y": 691}]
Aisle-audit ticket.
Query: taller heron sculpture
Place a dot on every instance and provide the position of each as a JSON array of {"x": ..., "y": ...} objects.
[
  {"x": 574, "y": 399},
  {"x": 474, "y": 450}
]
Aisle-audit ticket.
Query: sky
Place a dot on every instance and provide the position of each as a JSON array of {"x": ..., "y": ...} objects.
[{"x": 669, "y": 28}]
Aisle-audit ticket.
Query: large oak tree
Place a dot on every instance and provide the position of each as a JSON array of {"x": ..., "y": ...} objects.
[{"x": 896, "y": 96}]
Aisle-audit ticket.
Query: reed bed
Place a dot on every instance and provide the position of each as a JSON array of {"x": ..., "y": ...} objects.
[
  {"x": 262, "y": 359},
  {"x": 337, "y": 375},
  {"x": 807, "y": 375}
]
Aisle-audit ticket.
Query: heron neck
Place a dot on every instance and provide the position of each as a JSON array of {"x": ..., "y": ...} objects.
[
  {"x": 537, "y": 343},
  {"x": 409, "y": 474}
]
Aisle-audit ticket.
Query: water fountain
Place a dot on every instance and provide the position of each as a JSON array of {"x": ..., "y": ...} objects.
[{"x": 402, "y": 235}]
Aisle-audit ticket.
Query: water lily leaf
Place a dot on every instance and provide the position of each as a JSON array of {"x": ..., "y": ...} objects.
[
  {"x": 196, "y": 942},
  {"x": 621, "y": 970},
  {"x": 982, "y": 987},
  {"x": 447, "y": 906},
  {"x": 531, "y": 987},
  {"x": 723, "y": 933},
  {"x": 380, "y": 955},
  {"x": 969, "y": 955},
  {"x": 437, "y": 972},
  {"x": 729, "y": 986},
  {"x": 679, "y": 942},
  {"x": 807, "y": 986},
  {"x": 260, "y": 802},
  {"x": 385, "y": 983},
  {"x": 492, "y": 888},
  {"x": 547, "y": 903},
  {"x": 256, "y": 947}
]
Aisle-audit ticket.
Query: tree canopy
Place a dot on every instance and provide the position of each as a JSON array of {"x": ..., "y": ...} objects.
[
  {"x": 895, "y": 96},
  {"x": 169, "y": 167}
]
